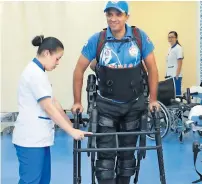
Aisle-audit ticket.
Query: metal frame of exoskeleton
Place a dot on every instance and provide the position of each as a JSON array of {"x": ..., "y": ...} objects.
[
  {"x": 197, "y": 147},
  {"x": 91, "y": 148}
]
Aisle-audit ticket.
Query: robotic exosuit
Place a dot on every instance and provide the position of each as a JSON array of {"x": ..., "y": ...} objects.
[{"x": 121, "y": 103}]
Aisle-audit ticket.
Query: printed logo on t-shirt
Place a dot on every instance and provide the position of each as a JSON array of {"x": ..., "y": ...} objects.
[
  {"x": 107, "y": 55},
  {"x": 133, "y": 51}
]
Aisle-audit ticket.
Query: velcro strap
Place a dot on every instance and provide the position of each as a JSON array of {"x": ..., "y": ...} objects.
[
  {"x": 126, "y": 163},
  {"x": 132, "y": 125},
  {"x": 105, "y": 175},
  {"x": 126, "y": 168},
  {"x": 105, "y": 169},
  {"x": 103, "y": 121},
  {"x": 105, "y": 164},
  {"x": 125, "y": 172}
]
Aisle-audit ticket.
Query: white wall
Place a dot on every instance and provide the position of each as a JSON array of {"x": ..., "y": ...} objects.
[{"x": 71, "y": 22}]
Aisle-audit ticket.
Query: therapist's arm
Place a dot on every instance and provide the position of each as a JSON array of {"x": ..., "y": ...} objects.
[
  {"x": 61, "y": 110},
  {"x": 179, "y": 67},
  {"x": 56, "y": 116}
]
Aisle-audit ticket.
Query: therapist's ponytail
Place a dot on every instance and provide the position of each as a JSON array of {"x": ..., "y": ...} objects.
[
  {"x": 178, "y": 42},
  {"x": 48, "y": 43}
]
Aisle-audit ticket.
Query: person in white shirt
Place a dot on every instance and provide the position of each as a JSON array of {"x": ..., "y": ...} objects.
[
  {"x": 174, "y": 61},
  {"x": 38, "y": 111}
]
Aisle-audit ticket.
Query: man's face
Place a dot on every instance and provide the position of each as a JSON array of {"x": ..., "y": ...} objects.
[{"x": 116, "y": 19}]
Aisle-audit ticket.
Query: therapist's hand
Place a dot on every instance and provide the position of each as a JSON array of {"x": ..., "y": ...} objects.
[
  {"x": 77, "y": 106},
  {"x": 79, "y": 134}
]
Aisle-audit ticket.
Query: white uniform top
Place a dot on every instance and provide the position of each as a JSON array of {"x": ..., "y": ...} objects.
[
  {"x": 174, "y": 54},
  {"x": 33, "y": 127}
]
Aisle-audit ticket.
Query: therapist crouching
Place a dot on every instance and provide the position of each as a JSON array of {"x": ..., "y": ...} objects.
[{"x": 38, "y": 111}]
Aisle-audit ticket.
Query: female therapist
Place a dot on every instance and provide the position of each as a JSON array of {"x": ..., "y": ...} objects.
[
  {"x": 38, "y": 109},
  {"x": 174, "y": 61}
]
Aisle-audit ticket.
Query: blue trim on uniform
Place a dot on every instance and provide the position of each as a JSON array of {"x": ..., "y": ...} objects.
[
  {"x": 43, "y": 98},
  {"x": 35, "y": 164},
  {"x": 35, "y": 60},
  {"x": 174, "y": 46},
  {"x": 46, "y": 118},
  {"x": 180, "y": 58}
]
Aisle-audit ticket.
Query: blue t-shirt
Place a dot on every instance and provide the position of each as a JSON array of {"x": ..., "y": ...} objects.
[{"x": 118, "y": 54}]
